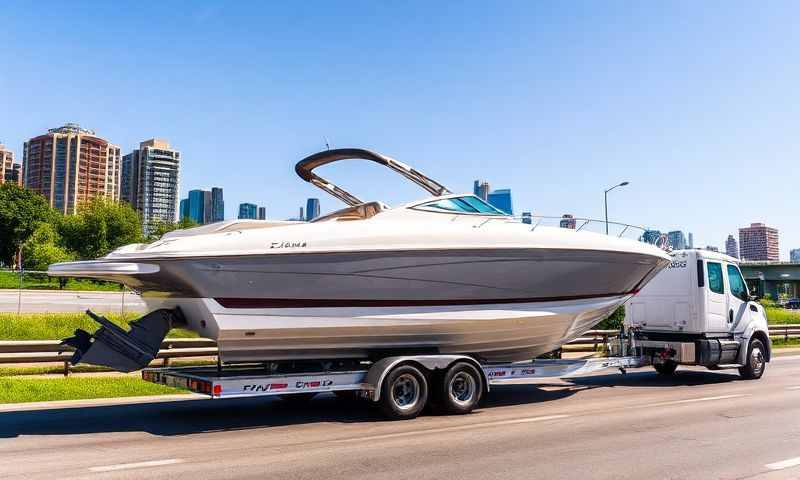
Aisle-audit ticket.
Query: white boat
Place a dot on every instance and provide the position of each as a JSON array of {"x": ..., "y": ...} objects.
[{"x": 446, "y": 274}]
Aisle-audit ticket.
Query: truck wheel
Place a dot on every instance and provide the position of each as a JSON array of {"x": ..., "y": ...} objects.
[
  {"x": 404, "y": 393},
  {"x": 460, "y": 389},
  {"x": 667, "y": 368},
  {"x": 756, "y": 364}
]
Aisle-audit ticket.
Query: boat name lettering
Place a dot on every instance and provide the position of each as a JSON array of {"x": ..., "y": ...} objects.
[
  {"x": 677, "y": 264},
  {"x": 298, "y": 244}
]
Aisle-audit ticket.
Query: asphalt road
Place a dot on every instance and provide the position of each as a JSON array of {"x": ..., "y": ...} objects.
[
  {"x": 61, "y": 301},
  {"x": 701, "y": 424}
]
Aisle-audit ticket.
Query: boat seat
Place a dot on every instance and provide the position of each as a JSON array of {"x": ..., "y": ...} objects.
[{"x": 362, "y": 211}]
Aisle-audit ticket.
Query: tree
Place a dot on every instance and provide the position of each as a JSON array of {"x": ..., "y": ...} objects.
[
  {"x": 100, "y": 226},
  {"x": 159, "y": 227},
  {"x": 614, "y": 321},
  {"x": 43, "y": 248},
  {"x": 21, "y": 213}
]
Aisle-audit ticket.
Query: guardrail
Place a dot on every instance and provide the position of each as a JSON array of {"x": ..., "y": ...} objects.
[{"x": 51, "y": 351}]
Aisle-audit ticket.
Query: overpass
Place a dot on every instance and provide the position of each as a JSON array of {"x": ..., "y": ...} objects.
[{"x": 775, "y": 279}]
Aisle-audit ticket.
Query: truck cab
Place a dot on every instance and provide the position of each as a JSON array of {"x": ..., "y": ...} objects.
[{"x": 698, "y": 311}]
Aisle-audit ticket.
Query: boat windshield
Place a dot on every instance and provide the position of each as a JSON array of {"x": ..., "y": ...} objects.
[{"x": 466, "y": 204}]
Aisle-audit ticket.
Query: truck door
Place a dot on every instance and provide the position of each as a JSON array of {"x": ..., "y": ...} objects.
[
  {"x": 717, "y": 302},
  {"x": 737, "y": 298}
]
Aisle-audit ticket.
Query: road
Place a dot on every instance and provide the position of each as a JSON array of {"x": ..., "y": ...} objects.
[
  {"x": 701, "y": 424},
  {"x": 68, "y": 301}
]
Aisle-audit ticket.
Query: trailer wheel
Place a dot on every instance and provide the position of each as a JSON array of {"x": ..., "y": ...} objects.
[
  {"x": 404, "y": 393},
  {"x": 666, "y": 368},
  {"x": 756, "y": 363},
  {"x": 459, "y": 389}
]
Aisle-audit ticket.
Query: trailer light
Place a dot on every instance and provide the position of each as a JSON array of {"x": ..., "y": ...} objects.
[{"x": 217, "y": 390}]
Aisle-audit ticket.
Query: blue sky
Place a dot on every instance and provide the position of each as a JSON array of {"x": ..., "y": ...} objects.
[{"x": 694, "y": 103}]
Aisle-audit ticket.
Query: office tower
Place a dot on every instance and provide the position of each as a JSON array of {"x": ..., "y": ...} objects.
[
  {"x": 196, "y": 206},
  {"x": 732, "y": 247},
  {"x": 184, "y": 209},
  {"x": 794, "y": 255},
  {"x": 248, "y": 211},
  {"x": 208, "y": 211},
  {"x": 758, "y": 242},
  {"x": 691, "y": 240},
  {"x": 567, "y": 221},
  {"x": 262, "y": 213},
  {"x": 481, "y": 189},
  {"x": 70, "y": 165},
  {"x": 527, "y": 218},
  {"x": 676, "y": 240},
  {"x": 217, "y": 205},
  {"x": 301, "y": 217},
  {"x": 150, "y": 181},
  {"x": 312, "y": 209},
  {"x": 10, "y": 172},
  {"x": 501, "y": 199}
]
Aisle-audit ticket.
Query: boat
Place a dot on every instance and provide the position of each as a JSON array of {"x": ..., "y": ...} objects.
[{"x": 446, "y": 274}]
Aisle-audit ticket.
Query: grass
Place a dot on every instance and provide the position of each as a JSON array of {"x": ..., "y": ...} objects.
[
  {"x": 777, "y": 315},
  {"x": 780, "y": 342},
  {"x": 59, "y": 369},
  {"x": 40, "y": 281},
  {"x": 54, "y": 326},
  {"x": 21, "y": 389}
]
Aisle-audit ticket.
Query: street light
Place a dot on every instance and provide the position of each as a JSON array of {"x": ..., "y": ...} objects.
[{"x": 605, "y": 200}]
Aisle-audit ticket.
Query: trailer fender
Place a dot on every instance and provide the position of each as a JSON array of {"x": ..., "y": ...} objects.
[{"x": 431, "y": 363}]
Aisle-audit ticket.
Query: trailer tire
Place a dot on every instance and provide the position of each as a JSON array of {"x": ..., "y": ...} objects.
[
  {"x": 667, "y": 368},
  {"x": 404, "y": 393},
  {"x": 756, "y": 363},
  {"x": 459, "y": 390}
]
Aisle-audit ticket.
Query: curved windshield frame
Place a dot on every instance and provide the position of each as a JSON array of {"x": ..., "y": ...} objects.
[{"x": 463, "y": 205}]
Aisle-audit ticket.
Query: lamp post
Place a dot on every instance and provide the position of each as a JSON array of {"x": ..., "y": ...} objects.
[{"x": 605, "y": 200}]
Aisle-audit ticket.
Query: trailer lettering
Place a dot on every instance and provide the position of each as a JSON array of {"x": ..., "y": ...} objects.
[{"x": 265, "y": 387}]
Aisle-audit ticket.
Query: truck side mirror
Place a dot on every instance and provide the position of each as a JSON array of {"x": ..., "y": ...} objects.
[{"x": 752, "y": 298}]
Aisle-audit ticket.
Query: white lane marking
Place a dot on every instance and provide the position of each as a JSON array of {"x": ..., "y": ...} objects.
[
  {"x": 792, "y": 462},
  {"x": 128, "y": 466},
  {"x": 701, "y": 399},
  {"x": 453, "y": 429}
]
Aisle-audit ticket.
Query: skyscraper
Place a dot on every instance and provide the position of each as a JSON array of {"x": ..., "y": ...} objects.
[
  {"x": 208, "y": 211},
  {"x": 312, "y": 209},
  {"x": 196, "y": 206},
  {"x": 184, "y": 209},
  {"x": 650, "y": 236},
  {"x": 676, "y": 240},
  {"x": 9, "y": 171},
  {"x": 501, "y": 199},
  {"x": 70, "y": 165},
  {"x": 217, "y": 205},
  {"x": 732, "y": 247},
  {"x": 794, "y": 255},
  {"x": 691, "y": 240},
  {"x": 150, "y": 177},
  {"x": 567, "y": 221},
  {"x": 758, "y": 242},
  {"x": 262, "y": 213},
  {"x": 481, "y": 189},
  {"x": 248, "y": 211}
]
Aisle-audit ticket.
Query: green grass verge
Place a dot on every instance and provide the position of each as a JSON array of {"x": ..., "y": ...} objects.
[
  {"x": 40, "y": 281},
  {"x": 783, "y": 343},
  {"x": 54, "y": 326},
  {"x": 777, "y": 315},
  {"x": 21, "y": 389}
]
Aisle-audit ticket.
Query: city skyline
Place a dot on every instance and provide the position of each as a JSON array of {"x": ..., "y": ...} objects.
[{"x": 670, "y": 78}]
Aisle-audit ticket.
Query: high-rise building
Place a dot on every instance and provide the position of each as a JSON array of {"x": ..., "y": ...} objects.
[
  {"x": 262, "y": 213},
  {"x": 150, "y": 182},
  {"x": 312, "y": 209},
  {"x": 196, "y": 206},
  {"x": 758, "y": 242},
  {"x": 217, "y": 205},
  {"x": 10, "y": 172},
  {"x": 650, "y": 236},
  {"x": 208, "y": 210},
  {"x": 248, "y": 211},
  {"x": 501, "y": 199},
  {"x": 301, "y": 217},
  {"x": 184, "y": 209},
  {"x": 527, "y": 218},
  {"x": 691, "y": 240},
  {"x": 794, "y": 255},
  {"x": 567, "y": 221},
  {"x": 732, "y": 247},
  {"x": 676, "y": 240},
  {"x": 70, "y": 165},
  {"x": 481, "y": 189}
]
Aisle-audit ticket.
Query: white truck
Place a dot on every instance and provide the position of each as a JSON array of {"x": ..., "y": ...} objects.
[{"x": 698, "y": 311}]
